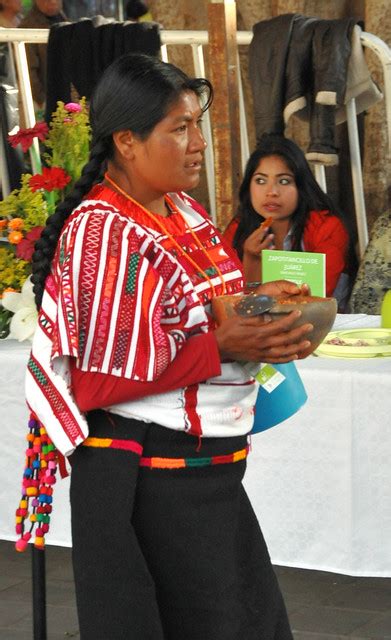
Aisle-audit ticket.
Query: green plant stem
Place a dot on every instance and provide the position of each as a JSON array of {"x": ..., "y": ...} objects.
[
  {"x": 51, "y": 200},
  {"x": 36, "y": 157}
]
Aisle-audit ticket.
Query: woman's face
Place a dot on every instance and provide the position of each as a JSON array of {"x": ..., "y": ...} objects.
[
  {"x": 170, "y": 159},
  {"x": 273, "y": 189}
]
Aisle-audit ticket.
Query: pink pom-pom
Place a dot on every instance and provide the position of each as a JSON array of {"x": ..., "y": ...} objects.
[
  {"x": 21, "y": 545},
  {"x": 72, "y": 107},
  {"x": 26, "y": 536},
  {"x": 52, "y": 465}
]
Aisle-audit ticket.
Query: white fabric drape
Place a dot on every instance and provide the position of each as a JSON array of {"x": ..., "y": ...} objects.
[{"x": 320, "y": 483}]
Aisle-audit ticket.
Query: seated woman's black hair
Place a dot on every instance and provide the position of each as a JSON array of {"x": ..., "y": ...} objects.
[{"x": 311, "y": 196}]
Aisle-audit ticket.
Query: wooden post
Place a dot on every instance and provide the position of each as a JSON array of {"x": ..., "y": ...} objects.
[
  {"x": 223, "y": 73},
  {"x": 39, "y": 593},
  {"x": 274, "y": 8}
]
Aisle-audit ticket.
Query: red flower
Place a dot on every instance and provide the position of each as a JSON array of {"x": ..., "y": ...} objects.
[
  {"x": 41, "y": 130},
  {"x": 25, "y": 248},
  {"x": 25, "y": 137},
  {"x": 51, "y": 178}
]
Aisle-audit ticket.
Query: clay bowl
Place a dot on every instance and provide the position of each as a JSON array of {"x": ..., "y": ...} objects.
[{"x": 320, "y": 312}]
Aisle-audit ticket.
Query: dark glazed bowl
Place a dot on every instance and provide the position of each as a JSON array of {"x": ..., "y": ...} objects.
[{"x": 320, "y": 312}]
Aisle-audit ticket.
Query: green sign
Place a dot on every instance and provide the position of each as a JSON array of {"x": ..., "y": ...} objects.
[{"x": 298, "y": 266}]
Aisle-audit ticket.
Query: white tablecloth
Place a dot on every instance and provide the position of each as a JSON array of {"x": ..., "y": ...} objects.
[{"x": 320, "y": 483}]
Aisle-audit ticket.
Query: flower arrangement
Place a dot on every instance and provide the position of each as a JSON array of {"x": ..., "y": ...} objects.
[{"x": 23, "y": 214}]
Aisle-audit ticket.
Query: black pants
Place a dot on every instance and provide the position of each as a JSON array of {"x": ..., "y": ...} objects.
[{"x": 174, "y": 554}]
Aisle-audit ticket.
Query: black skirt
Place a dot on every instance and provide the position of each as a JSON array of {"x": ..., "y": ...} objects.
[{"x": 165, "y": 542}]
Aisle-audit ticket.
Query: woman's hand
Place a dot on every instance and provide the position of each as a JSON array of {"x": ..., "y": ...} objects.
[
  {"x": 252, "y": 249},
  {"x": 253, "y": 246},
  {"x": 282, "y": 287},
  {"x": 259, "y": 240},
  {"x": 259, "y": 340}
]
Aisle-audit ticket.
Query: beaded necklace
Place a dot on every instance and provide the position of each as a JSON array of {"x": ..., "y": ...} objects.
[{"x": 161, "y": 226}]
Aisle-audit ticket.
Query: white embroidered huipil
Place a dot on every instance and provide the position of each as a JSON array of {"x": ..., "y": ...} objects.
[{"x": 122, "y": 301}]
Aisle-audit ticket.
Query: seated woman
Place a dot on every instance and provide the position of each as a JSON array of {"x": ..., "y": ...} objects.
[
  {"x": 374, "y": 273},
  {"x": 278, "y": 184}
]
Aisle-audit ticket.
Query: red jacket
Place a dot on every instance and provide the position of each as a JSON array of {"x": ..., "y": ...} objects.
[{"x": 323, "y": 233}]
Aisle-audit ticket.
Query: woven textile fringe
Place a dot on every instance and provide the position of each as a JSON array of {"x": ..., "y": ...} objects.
[{"x": 39, "y": 476}]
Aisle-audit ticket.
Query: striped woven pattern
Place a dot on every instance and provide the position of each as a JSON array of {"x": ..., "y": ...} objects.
[
  {"x": 113, "y": 443},
  {"x": 182, "y": 463},
  {"x": 165, "y": 463}
]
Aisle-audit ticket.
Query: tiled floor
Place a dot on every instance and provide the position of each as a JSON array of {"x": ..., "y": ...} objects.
[{"x": 322, "y": 606}]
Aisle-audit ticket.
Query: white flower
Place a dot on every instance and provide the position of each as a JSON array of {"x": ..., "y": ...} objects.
[{"x": 24, "y": 321}]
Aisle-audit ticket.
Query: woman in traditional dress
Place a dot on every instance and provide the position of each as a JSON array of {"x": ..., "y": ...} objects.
[{"x": 141, "y": 391}]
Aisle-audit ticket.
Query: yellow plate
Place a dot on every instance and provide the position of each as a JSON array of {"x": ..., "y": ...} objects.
[{"x": 356, "y": 343}]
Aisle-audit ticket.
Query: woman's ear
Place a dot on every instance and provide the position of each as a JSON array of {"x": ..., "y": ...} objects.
[{"x": 124, "y": 143}]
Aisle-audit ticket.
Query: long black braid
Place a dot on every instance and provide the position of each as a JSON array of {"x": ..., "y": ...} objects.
[{"x": 45, "y": 247}]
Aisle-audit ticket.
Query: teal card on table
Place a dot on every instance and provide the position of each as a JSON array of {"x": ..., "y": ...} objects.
[{"x": 298, "y": 266}]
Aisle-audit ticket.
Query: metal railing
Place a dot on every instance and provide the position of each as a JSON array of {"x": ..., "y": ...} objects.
[{"x": 198, "y": 40}]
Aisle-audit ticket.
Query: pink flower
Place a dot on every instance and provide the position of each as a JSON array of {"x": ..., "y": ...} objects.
[
  {"x": 25, "y": 248},
  {"x": 25, "y": 137},
  {"x": 72, "y": 107},
  {"x": 51, "y": 178}
]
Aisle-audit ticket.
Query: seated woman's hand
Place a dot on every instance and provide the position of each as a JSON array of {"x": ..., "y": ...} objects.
[
  {"x": 253, "y": 246},
  {"x": 259, "y": 240},
  {"x": 259, "y": 340}
]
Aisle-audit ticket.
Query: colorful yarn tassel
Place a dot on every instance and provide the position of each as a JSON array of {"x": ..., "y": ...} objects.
[{"x": 37, "y": 487}]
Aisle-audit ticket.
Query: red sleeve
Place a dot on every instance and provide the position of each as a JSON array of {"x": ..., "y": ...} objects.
[
  {"x": 325, "y": 233},
  {"x": 197, "y": 361},
  {"x": 230, "y": 231}
]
